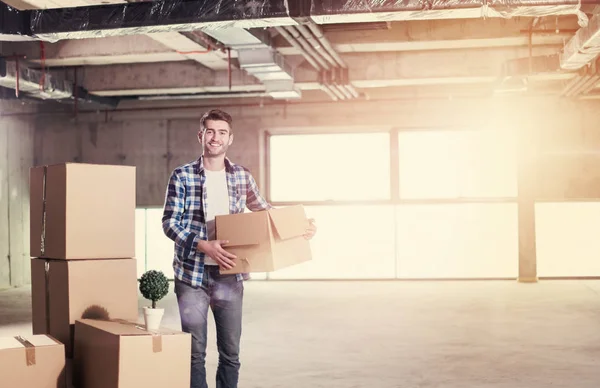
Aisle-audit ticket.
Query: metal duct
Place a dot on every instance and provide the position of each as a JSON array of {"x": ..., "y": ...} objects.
[
  {"x": 151, "y": 17},
  {"x": 259, "y": 59},
  {"x": 188, "y": 15},
  {"x": 348, "y": 11},
  {"x": 583, "y": 48},
  {"x": 42, "y": 85},
  {"x": 33, "y": 82}
]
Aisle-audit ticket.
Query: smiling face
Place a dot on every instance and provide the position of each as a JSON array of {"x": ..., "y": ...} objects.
[{"x": 215, "y": 138}]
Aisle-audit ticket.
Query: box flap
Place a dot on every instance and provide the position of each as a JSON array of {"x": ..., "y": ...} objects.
[
  {"x": 124, "y": 328},
  {"x": 289, "y": 221},
  {"x": 242, "y": 229}
]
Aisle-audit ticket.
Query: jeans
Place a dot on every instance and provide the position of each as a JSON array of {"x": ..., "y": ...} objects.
[{"x": 224, "y": 295}]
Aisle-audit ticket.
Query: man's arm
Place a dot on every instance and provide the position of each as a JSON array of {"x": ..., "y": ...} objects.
[
  {"x": 172, "y": 215},
  {"x": 254, "y": 200}
]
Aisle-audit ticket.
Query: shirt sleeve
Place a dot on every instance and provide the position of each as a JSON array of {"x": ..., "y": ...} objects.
[
  {"x": 172, "y": 215},
  {"x": 254, "y": 200}
]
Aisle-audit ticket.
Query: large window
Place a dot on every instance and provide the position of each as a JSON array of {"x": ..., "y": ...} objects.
[
  {"x": 394, "y": 237},
  {"x": 457, "y": 164},
  {"x": 335, "y": 167}
]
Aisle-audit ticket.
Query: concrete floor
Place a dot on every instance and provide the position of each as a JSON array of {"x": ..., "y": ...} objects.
[{"x": 403, "y": 334}]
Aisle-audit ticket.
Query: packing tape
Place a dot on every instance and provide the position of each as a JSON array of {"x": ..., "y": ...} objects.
[
  {"x": 47, "y": 294},
  {"x": 29, "y": 350},
  {"x": 156, "y": 337},
  {"x": 156, "y": 343},
  {"x": 43, "y": 236}
]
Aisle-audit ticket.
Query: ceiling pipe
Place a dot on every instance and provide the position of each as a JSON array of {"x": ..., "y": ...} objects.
[
  {"x": 330, "y": 52},
  {"x": 311, "y": 39},
  {"x": 327, "y": 90},
  {"x": 296, "y": 43},
  {"x": 574, "y": 84},
  {"x": 307, "y": 47},
  {"x": 316, "y": 30},
  {"x": 291, "y": 40}
]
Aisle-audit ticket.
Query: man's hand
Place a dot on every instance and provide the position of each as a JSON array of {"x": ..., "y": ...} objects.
[
  {"x": 215, "y": 251},
  {"x": 311, "y": 230}
]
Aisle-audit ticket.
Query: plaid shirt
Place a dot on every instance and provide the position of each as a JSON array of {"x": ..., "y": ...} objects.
[{"x": 184, "y": 212}]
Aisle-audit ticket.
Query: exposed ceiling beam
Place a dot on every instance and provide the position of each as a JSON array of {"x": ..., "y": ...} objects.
[
  {"x": 405, "y": 36},
  {"x": 365, "y": 71},
  {"x": 189, "y": 48},
  {"x": 449, "y": 34}
]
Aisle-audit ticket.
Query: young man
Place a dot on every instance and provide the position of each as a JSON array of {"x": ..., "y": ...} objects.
[{"x": 197, "y": 192}]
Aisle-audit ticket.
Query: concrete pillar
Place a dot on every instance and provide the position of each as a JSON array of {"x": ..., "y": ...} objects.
[{"x": 526, "y": 207}]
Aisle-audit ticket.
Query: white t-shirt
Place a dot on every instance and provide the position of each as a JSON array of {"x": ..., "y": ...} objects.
[{"x": 217, "y": 201}]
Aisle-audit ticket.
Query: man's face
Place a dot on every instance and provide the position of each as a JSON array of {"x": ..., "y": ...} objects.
[{"x": 216, "y": 138}]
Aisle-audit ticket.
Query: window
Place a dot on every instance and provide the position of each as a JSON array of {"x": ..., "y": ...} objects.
[
  {"x": 337, "y": 167},
  {"x": 457, "y": 164}
]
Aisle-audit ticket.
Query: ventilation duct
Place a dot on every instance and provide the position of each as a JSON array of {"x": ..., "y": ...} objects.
[
  {"x": 583, "y": 48},
  {"x": 257, "y": 57},
  {"x": 344, "y": 11},
  {"x": 43, "y": 85},
  {"x": 188, "y": 15},
  {"x": 152, "y": 17},
  {"x": 33, "y": 82}
]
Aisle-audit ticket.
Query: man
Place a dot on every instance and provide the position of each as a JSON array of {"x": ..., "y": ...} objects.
[{"x": 196, "y": 193}]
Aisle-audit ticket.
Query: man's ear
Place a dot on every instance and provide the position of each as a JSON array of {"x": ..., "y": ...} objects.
[
  {"x": 230, "y": 139},
  {"x": 200, "y": 136}
]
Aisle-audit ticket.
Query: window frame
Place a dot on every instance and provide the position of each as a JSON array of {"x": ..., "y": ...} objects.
[{"x": 394, "y": 178}]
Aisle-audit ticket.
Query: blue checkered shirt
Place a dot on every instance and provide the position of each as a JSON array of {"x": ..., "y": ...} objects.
[{"x": 185, "y": 206}]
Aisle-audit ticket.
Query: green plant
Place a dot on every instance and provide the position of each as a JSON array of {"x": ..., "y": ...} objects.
[{"x": 154, "y": 286}]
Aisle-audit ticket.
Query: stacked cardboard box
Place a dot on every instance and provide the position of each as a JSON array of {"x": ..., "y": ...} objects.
[
  {"x": 82, "y": 225},
  {"x": 84, "y": 285}
]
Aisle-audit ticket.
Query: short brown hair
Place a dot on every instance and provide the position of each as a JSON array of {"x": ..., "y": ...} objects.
[{"x": 215, "y": 114}]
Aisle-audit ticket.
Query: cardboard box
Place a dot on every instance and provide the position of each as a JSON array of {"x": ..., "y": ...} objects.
[
  {"x": 121, "y": 354},
  {"x": 33, "y": 361},
  {"x": 63, "y": 291},
  {"x": 82, "y": 211},
  {"x": 265, "y": 241}
]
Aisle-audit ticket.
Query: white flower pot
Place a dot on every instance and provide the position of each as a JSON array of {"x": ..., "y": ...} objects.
[{"x": 152, "y": 318}]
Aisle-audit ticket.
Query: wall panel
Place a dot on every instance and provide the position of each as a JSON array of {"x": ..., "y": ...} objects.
[
  {"x": 102, "y": 143},
  {"x": 145, "y": 146}
]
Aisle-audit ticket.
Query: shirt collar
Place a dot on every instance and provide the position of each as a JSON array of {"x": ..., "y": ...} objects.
[{"x": 199, "y": 167}]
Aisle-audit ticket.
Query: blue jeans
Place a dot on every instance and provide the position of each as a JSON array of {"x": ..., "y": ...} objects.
[{"x": 224, "y": 295}]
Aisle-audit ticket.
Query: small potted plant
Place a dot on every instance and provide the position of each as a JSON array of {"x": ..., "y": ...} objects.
[{"x": 154, "y": 286}]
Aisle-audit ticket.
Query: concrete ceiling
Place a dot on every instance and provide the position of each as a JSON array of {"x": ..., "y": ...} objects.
[{"x": 403, "y": 57}]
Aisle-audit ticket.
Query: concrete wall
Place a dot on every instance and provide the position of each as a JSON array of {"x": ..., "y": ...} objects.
[
  {"x": 563, "y": 135},
  {"x": 156, "y": 146},
  {"x": 16, "y": 157}
]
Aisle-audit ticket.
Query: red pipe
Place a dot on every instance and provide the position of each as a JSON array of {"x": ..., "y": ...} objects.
[
  {"x": 17, "y": 85},
  {"x": 229, "y": 66}
]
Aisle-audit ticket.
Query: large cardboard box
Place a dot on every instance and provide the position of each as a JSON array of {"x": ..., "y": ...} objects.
[
  {"x": 63, "y": 291},
  {"x": 265, "y": 241},
  {"x": 82, "y": 211},
  {"x": 121, "y": 354},
  {"x": 33, "y": 361}
]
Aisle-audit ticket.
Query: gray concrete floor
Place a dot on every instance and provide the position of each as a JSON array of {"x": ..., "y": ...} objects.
[{"x": 403, "y": 334}]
